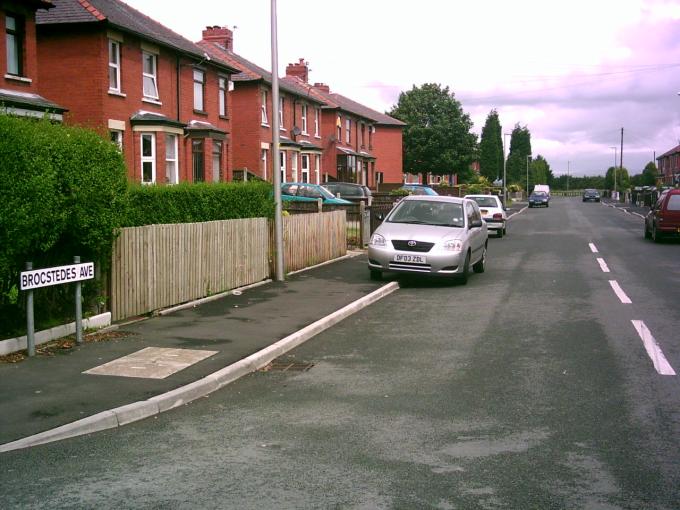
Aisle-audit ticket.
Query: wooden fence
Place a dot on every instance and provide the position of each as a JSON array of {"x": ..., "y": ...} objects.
[{"x": 158, "y": 266}]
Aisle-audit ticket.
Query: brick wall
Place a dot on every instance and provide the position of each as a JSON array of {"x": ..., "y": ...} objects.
[{"x": 387, "y": 148}]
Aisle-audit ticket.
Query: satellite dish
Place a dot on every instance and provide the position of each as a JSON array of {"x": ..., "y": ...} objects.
[{"x": 296, "y": 131}]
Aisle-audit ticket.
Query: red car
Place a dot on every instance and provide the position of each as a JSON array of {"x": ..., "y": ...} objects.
[{"x": 664, "y": 218}]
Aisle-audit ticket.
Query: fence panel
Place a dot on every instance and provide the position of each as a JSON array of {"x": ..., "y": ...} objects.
[
  {"x": 157, "y": 266},
  {"x": 313, "y": 238}
]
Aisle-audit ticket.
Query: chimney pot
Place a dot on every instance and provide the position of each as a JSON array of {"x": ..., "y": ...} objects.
[
  {"x": 220, "y": 35},
  {"x": 300, "y": 70}
]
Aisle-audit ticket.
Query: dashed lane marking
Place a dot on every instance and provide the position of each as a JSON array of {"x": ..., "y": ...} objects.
[
  {"x": 603, "y": 265},
  {"x": 593, "y": 248},
  {"x": 653, "y": 350},
  {"x": 619, "y": 292}
]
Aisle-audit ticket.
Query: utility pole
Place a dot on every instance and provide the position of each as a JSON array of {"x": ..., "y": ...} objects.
[
  {"x": 621, "y": 152},
  {"x": 568, "y": 164},
  {"x": 276, "y": 154}
]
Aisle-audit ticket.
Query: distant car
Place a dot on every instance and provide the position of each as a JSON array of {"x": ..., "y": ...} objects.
[
  {"x": 350, "y": 191},
  {"x": 539, "y": 199},
  {"x": 307, "y": 192},
  {"x": 419, "y": 189},
  {"x": 542, "y": 187},
  {"x": 492, "y": 211},
  {"x": 430, "y": 235},
  {"x": 663, "y": 220},
  {"x": 591, "y": 195}
]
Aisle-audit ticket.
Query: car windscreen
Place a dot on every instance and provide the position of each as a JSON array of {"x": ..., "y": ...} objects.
[
  {"x": 444, "y": 214},
  {"x": 539, "y": 194},
  {"x": 673, "y": 203},
  {"x": 485, "y": 201}
]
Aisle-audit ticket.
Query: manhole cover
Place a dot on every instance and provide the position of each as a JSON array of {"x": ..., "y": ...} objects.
[{"x": 287, "y": 365}]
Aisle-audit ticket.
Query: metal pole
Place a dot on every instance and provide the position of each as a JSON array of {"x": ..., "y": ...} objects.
[
  {"x": 79, "y": 307},
  {"x": 528, "y": 158},
  {"x": 276, "y": 159},
  {"x": 30, "y": 324},
  {"x": 568, "y": 164},
  {"x": 505, "y": 165}
]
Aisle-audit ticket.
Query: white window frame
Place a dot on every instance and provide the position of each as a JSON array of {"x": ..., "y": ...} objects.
[
  {"x": 304, "y": 167},
  {"x": 114, "y": 50},
  {"x": 294, "y": 165},
  {"x": 148, "y": 159},
  {"x": 199, "y": 89},
  {"x": 223, "y": 87},
  {"x": 116, "y": 136},
  {"x": 303, "y": 119},
  {"x": 263, "y": 108},
  {"x": 173, "y": 176},
  {"x": 264, "y": 156},
  {"x": 316, "y": 122},
  {"x": 153, "y": 76},
  {"x": 216, "y": 160},
  {"x": 348, "y": 131},
  {"x": 281, "y": 104},
  {"x": 339, "y": 128},
  {"x": 317, "y": 167},
  {"x": 15, "y": 39},
  {"x": 284, "y": 157}
]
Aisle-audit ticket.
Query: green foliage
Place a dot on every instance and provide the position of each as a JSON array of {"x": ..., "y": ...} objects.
[
  {"x": 539, "y": 172},
  {"x": 189, "y": 203},
  {"x": 491, "y": 148},
  {"x": 400, "y": 192},
  {"x": 578, "y": 183},
  {"x": 650, "y": 174},
  {"x": 622, "y": 178},
  {"x": 437, "y": 137},
  {"x": 520, "y": 148}
]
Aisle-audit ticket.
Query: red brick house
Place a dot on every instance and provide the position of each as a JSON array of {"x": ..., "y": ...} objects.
[
  {"x": 299, "y": 118},
  {"x": 669, "y": 167},
  {"x": 360, "y": 144},
  {"x": 159, "y": 97},
  {"x": 19, "y": 92}
]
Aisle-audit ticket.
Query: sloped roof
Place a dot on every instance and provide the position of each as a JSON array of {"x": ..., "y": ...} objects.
[
  {"x": 250, "y": 71},
  {"x": 29, "y": 101},
  {"x": 119, "y": 15},
  {"x": 674, "y": 150}
]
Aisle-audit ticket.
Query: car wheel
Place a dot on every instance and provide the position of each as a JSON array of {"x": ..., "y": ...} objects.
[
  {"x": 505, "y": 230},
  {"x": 656, "y": 235},
  {"x": 499, "y": 232},
  {"x": 463, "y": 278},
  {"x": 376, "y": 275},
  {"x": 480, "y": 265}
]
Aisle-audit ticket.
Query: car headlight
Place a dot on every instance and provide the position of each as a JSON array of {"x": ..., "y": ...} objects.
[
  {"x": 455, "y": 245},
  {"x": 377, "y": 240}
]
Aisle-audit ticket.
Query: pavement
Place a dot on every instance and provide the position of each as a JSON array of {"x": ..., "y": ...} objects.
[
  {"x": 48, "y": 398},
  {"x": 626, "y": 207}
]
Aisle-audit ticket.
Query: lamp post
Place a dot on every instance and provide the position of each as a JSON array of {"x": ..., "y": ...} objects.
[
  {"x": 276, "y": 162},
  {"x": 505, "y": 165},
  {"x": 528, "y": 160},
  {"x": 568, "y": 170},
  {"x": 615, "y": 153}
]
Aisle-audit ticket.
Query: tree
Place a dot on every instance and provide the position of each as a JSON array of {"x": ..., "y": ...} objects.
[
  {"x": 649, "y": 174},
  {"x": 520, "y": 148},
  {"x": 437, "y": 137},
  {"x": 491, "y": 148},
  {"x": 622, "y": 179},
  {"x": 539, "y": 172}
]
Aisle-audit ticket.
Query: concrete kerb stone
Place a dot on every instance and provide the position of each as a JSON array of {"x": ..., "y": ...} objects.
[{"x": 136, "y": 411}]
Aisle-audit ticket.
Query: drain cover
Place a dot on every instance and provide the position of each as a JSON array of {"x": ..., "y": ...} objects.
[{"x": 287, "y": 365}]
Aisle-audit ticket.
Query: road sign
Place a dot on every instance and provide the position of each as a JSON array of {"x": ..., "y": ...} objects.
[{"x": 56, "y": 275}]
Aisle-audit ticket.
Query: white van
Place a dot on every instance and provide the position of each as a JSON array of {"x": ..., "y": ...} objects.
[{"x": 542, "y": 187}]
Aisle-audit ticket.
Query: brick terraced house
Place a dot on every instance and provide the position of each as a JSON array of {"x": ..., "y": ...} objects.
[
  {"x": 669, "y": 167},
  {"x": 299, "y": 118},
  {"x": 157, "y": 95},
  {"x": 19, "y": 92}
]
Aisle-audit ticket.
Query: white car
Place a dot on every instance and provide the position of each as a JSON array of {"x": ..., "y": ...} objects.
[
  {"x": 493, "y": 212},
  {"x": 430, "y": 235}
]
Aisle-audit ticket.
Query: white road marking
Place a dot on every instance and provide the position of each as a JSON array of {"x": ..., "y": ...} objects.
[
  {"x": 603, "y": 265},
  {"x": 619, "y": 292},
  {"x": 593, "y": 248},
  {"x": 653, "y": 350}
]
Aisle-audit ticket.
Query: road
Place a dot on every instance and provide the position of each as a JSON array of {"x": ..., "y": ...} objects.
[{"x": 530, "y": 387}]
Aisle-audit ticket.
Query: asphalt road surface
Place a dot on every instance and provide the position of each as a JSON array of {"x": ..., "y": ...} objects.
[{"x": 537, "y": 385}]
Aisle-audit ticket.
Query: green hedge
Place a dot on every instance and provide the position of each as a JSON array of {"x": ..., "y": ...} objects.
[{"x": 188, "y": 203}]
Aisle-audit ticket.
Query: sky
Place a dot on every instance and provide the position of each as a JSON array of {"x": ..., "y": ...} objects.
[{"x": 574, "y": 72}]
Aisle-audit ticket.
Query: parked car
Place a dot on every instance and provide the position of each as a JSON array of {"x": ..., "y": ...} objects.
[
  {"x": 419, "y": 189},
  {"x": 663, "y": 220},
  {"x": 539, "y": 199},
  {"x": 492, "y": 211},
  {"x": 350, "y": 191},
  {"x": 307, "y": 192},
  {"x": 591, "y": 195},
  {"x": 430, "y": 235}
]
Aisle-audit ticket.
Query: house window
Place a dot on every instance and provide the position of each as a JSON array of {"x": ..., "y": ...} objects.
[
  {"x": 304, "y": 119},
  {"x": 305, "y": 167},
  {"x": 263, "y": 107},
  {"x": 362, "y": 134},
  {"x": 199, "y": 90},
  {"x": 197, "y": 160},
  {"x": 379, "y": 178},
  {"x": 348, "y": 130},
  {"x": 223, "y": 87},
  {"x": 216, "y": 160},
  {"x": 264, "y": 157},
  {"x": 339, "y": 127},
  {"x": 148, "y": 158},
  {"x": 149, "y": 75},
  {"x": 14, "y": 27},
  {"x": 316, "y": 122},
  {"x": 281, "y": 114},
  {"x": 171, "y": 173},
  {"x": 294, "y": 166},
  {"x": 114, "y": 66},
  {"x": 371, "y": 130},
  {"x": 317, "y": 168},
  {"x": 117, "y": 138},
  {"x": 283, "y": 157}
]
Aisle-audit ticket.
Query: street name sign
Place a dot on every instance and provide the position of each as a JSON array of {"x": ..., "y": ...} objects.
[{"x": 56, "y": 275}]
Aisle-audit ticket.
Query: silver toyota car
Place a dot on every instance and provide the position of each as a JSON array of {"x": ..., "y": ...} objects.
[{"x": 430, "y": 235}]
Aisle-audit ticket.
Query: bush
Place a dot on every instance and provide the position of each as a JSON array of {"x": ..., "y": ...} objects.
[{"x": 189, "y": 203}]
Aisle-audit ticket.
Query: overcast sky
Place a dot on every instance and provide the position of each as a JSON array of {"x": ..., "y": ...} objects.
[{"x": 574, "y": 72}]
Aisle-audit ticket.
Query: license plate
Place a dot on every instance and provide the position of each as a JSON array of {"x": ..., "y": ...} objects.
[
  {"x": 412, "y": 259},
  {"x": 483, "y": 211}
]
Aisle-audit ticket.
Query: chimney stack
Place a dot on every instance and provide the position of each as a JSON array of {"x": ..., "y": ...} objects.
[
  {"x": 322, "y": 87},
  {"x": 301, "y": 70},
  {"x": 220, "y": 35}
]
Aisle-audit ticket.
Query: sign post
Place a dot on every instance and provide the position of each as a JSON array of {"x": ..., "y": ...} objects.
[{"x": 34, "y": 279}]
